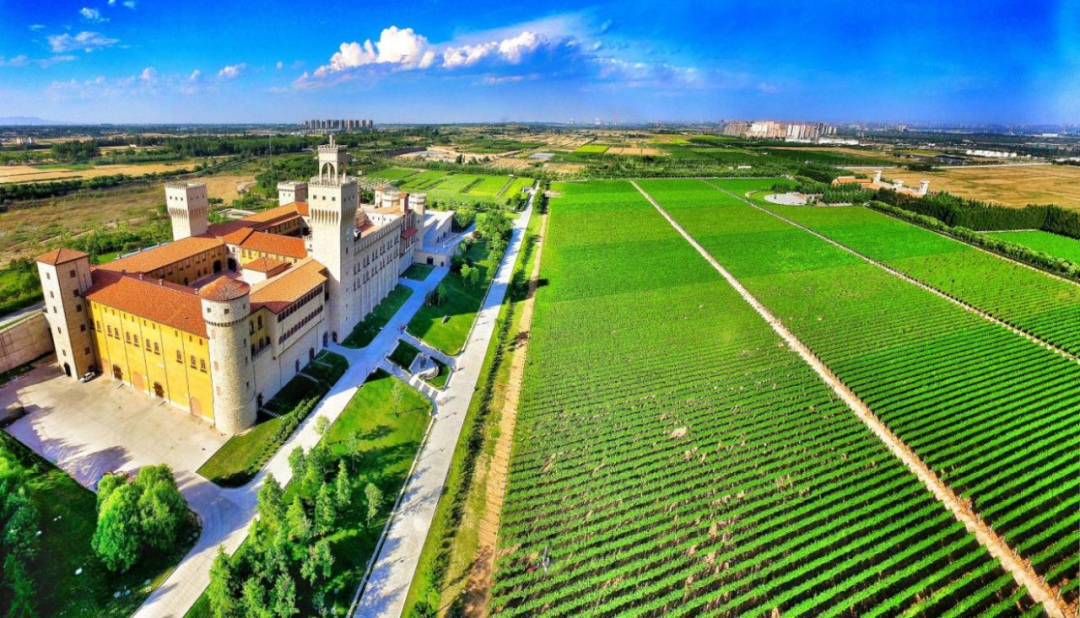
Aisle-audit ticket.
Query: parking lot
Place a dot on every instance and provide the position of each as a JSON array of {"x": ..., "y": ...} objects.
[{"x": 100, "y": 426}]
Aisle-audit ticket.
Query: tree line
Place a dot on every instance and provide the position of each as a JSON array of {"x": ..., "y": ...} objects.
[{"x": 978, "y": 215}]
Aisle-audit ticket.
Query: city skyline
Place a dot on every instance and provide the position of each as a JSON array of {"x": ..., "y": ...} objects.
[{"x": 999, "y": 62}]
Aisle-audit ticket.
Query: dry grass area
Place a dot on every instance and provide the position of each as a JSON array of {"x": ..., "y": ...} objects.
[
  {"x": 1011, "y": 186},
  {"x": 854, "y": 152},
  {"x": 28, "y": 231},
  {"x": 29, "y": 173},
  {"x": 636, "y": 151},
  {"x": 514, "y": 163}
]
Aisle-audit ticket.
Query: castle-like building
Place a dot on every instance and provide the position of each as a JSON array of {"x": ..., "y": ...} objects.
[{"x": 218, "y": 320}]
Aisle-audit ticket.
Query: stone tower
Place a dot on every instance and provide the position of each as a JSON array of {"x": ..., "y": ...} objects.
[
  {"x": 418, "y": 204},
  {"x": 226, "y": 308},
  {"x": 332, "y": 202},
  {"x": 291, "y": 191},
  {"x": 65, "y": 278},
  {"x": 188, "y": 207}
]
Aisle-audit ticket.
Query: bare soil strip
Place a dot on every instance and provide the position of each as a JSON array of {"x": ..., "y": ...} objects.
[
  {"x": 477, "y": 591},
  {"x": 911, "y": 280},
  {"x": 1018, "y": 567}
]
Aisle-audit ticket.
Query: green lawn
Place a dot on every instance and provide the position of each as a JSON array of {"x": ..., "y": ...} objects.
[
  {"x": 241, "y": 458},
  {"x": 1050, "y": 244},
  {"x": 385, "y": 442},
  {"x": 366, "y": 331},
  {"x": 418, "y": 272},
  {"x": 446, "y": 327},
  {"x": 517, "y": 186},
  {"x": 490, "y": 186},
  {"x": 67, "y": 516},
  {"x": 404, "y": 355}
]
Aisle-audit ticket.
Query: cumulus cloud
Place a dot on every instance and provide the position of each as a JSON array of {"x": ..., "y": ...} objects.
[
  {"x": 148, "y": 74},
  {"x": 280, "y": 65},
  {"x": 401, "y": 48},
  {"x": 130, "y": 4},
  {"x": 232, "y": 71},
  {"x": 92, "y": 15},
  {"x": 36, "y": 27},
  {"x": 86, "y": 41}
]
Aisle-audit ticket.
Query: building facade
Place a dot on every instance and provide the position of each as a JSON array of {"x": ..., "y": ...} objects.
[{"x": 221, "y": 318}]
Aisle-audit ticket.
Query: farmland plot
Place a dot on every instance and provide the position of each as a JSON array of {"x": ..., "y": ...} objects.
[
  {"x": 673, "y": 457},
  {"x": 1051, "y": 244},
  {"x": 1042, "y": 305},
  {"x": 994, "y": 415}
]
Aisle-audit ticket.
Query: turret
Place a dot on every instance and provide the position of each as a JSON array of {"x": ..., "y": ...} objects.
[
  {"x": 291, "y": 191},
  {"x": 390, "y": 197},
  {"x": 332, "y": 206},
  {"x": 65, "y": 279},
  {"x": 226, "y": 308},
  {"x": 188, "y": 207},
  {"x": 897, "y": 185},
  {"x": 418, "y": 204},
  {"x": 924, "y": 187}
]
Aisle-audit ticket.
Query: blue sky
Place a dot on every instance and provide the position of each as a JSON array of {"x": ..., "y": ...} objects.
[{"x": 473, "y": 61}]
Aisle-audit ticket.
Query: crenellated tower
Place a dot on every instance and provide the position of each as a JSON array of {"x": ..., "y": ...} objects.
[{"x": 333, "y": 199}]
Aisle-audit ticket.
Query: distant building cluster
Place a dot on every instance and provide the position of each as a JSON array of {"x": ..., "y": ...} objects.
[
  {"x": 770, "y": 129},
  {"x": 993, "y": 154},
  {"x": 877, "y": 183},
  {"x": 339, "y": 124}
]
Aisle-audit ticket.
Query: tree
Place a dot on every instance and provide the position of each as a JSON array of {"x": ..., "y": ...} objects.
[
  {"x": 297, "y": 462},
  {"x": 318, "y": 562},
  {"x": 118, "y": 538},
  {"x": 473, "y": 277},
  {"x": 374, "y": 498},
  {"x": 467, "y": 273},
  {"x": 253, "y": 599},
  {"x": 324, "y": 510},
  {"x": 321, "y": 424},
  {"x": 298, "y": 522},
  {"x": 18, "y": 581},
  {"x": 271, "y": 507},
  {"x": 222, "y": 589},
  {"x": 107, "y": 485},
  {"x": 161, "y": 507},
  {"x": 342, "y": 487},
  {"x": 20, "y": 543},
  {"x": 284, "y": 597}
]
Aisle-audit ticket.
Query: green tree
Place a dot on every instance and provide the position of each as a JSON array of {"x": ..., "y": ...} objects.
[
  {"x": 318, "y": 563},
  {"x": 271, "y": 507},
  {"x": 253, "y": 599},
  {"x": 118, "y": 538},
  {"x": 473, "y": 277},
  {"x": 107, "y": 485},
  {"x": 321, "y": 424},
  {"x": 324, "y": 509},
  {"x": 298, "y": 522},
  {"x": 467, "y": 274},
  {"x": 284, "y": 597},
  {"x": 222, "y": 589},
  {"x": 161, "y": 507},
  {"x": 18, "y": 580},
  {"x": 298, "y": 462},
  {"x": 342, "y": 487},
  {"x": 374, "y": 497}
]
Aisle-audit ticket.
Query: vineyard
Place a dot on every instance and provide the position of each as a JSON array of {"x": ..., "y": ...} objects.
[
  {"x": 993, "y": 414},
  {"x": 673, "y": 457},
  {"x": 1044, "y": 306},
  {"x": 1052, "y": 244}
]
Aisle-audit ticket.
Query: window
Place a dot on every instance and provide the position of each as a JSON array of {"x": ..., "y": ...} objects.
[
  {"x": 202, "y": 365},
  {"x": 48, "y": 276},
  {"x": 127, "y": 337},
  {"x": 82, "y": 328},
  {"x": 179, "y": 357},
  {"x": 78, "y": 308},
  {"x": 193, "y": 362},
  {"x": 136, "y": 340},
  {"x": 157, "y": 349},
  {"x": 147, "y": 345},
  {"x": 86, "y": 351},
  {"x": 51, "y": 295},
  {"x": 72, "y": 273}
]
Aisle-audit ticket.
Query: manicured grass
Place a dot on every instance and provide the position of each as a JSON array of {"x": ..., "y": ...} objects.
[
  {"x": 418, "y": 272},
  {"x": 67, "y": 517},
  {"x": 517, "y": 186},
  {"x": 440, "y": 378},
  {"x": 490, "y": 186},
  {"x": 459, "y": 309},
  {"x": 368, "y": 328},
  {"x": 379, "y": 443},
  {"x": 1050, "y": 244},
  {"x": 241, "y": 458},
  {"x": 404, "y": 355}
]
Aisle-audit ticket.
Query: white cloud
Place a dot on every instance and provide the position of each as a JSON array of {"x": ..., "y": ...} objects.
[
  {"x": 148, "y": 74},
  {"x": 401, "y": 48},
  {"x": 193, "y": 84},
  {"x": 36, "y": 27},
  {"x": 92, "y": 15},
  {"x": 280, "y": 65},
  {"x": 130, "y": 4},
  {"x": 86, "y": 41},
  {"x": 17, "y": 61},
  {"x": 232, "y": 71}
]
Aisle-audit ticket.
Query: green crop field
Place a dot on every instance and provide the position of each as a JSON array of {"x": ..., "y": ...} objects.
[
  {"x": 394, "y": 173},
  {"x": 673, "y": 457},
  {"x": 489, "y": 186},
  {"x": 1042, "y": 305},
  {"x": 517, "y": 186},
  {"x": 990, "y": 412},
  {"x": 592, "y": 149},
  {"x": 1051, "y": 244}
]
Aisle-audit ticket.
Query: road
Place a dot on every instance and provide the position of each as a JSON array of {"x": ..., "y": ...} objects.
[
  {"x": 226, "y": 514},
  {"x": 384, "y": 592}
]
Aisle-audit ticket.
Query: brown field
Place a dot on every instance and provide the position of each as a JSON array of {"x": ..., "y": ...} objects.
[
  {"x": 854, "y": 152},
  {"x": 636, "y": 151},
  {"x": 28, "y": 173},
  {"x": 28, "y": 232},
  {"x": 1011, "y": 186}
]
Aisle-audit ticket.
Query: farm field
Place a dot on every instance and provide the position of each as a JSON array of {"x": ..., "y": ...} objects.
[
  {"x": 489, "y": 186},
  {"x": 690, "y": 464},
  {"x": 447, "y": 186},
  {"x": 1050, "y": 244},
  {"x": 517, "y": 185},
  {"x": 1017, "y": 185},
  {"x": 41, "y": 173},
  {"x": 990, "y": 412},
  {"x": 1042, "y": 305},
  {"x": 592, "y": 149}
]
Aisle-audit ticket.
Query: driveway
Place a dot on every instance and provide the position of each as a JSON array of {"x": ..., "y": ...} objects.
[{"x": 98, "y": 427}]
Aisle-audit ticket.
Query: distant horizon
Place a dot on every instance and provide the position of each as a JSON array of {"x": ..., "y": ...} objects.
[{"x": 1003, "y": 62}]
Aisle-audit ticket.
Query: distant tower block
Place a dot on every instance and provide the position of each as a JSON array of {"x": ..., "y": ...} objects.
[
  {"x": 226, "y": 310},
  {"x": 188, "y": 208},
  {"x": 291, "y": 191},
  {"x": 877, "y": 176},
  {"x": 924, "y": 187}
]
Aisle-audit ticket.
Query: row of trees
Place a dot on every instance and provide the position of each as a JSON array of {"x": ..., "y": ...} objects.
[
  {"x": 19, "y": 542},
  {"x": 77, "y": 151},
  {"x": 955, "y": 211}
]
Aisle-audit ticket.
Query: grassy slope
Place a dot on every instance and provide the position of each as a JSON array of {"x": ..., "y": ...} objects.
[{"x": 461, "y": 307}]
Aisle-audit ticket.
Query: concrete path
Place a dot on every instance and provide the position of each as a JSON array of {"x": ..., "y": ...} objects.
[
  {"x": 227, "y": 514},
  {"x": 384, "y": 592}
]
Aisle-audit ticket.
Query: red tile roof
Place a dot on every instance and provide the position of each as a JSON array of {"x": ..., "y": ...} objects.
[
  {"x": 158, "y": 257},
  {"x": 166, "y": 303},
  {"x": 409, "y": 233},
  {"x": 278, "y": 293},
  {"x": 60, "y": 256},
  {"x": 275, "y": 244},
  {"x": 224, "y": 289},
  {"x": 267, "y": 265}
]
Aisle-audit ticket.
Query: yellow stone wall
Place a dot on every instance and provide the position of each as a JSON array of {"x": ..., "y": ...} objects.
[
  {"x": 154, "y": 358},
  {"x": 192, "y": 268}
]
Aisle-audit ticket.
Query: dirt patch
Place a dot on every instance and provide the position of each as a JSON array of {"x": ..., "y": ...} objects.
[
  {"x": 29, "y": 173},
  {"x": 1015, "y": 185},
  {"x": 636, "y": 152}
]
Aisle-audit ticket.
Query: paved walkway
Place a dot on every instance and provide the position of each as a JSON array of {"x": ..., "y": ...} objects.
[
  {"x": 226, "y": 514},
  {"x": 383, "y": 594}
]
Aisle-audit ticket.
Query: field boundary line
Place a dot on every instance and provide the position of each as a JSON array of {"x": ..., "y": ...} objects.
[
  {"x": 908, "y": 278},
  {"x": 1018, "y": 567}
]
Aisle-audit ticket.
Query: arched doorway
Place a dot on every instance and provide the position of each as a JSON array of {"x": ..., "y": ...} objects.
[
  {"x": 232, "y": 264},
  {"x": 217, "y": 266},
  {"x": 117, "y": 373},
  {"x": 325, "y": 339},
  {"x": 159, "y": 390},
  {"x": 67, "y": 370},
  {"x": 259, "y": 402},
  {"x": 334, "y": 336}
]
